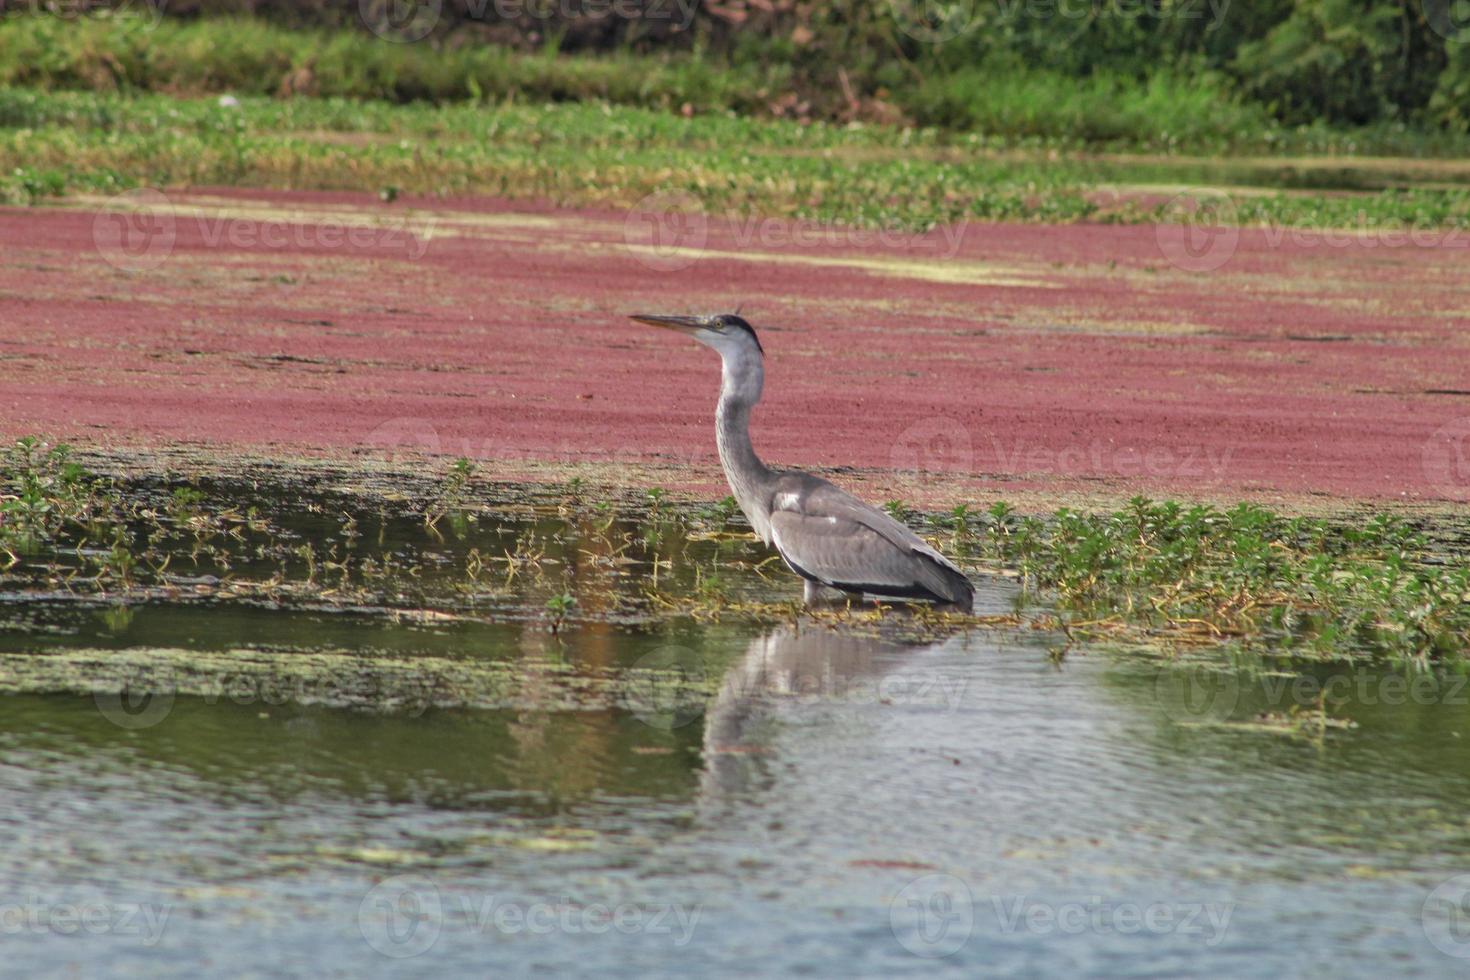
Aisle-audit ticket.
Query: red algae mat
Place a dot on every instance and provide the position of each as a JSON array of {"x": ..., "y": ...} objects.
[{"x": 975, "y": 362}]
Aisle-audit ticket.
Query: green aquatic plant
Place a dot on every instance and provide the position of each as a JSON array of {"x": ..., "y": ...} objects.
[
  {"x": 899, "y": 510},
  {"x": 185, "y": 502},
  {"x": 1192, "y": 573},
  {"x": 1165, "y": 573},
  {"x": 452, "y": 496},
  {"x": 559, "y": 607},
  {"x": 44, "y": 493},
  {"x": 720, "y": 512},
  {"x": 55, "y": 143},
  {"x": 956, "y": 521}
]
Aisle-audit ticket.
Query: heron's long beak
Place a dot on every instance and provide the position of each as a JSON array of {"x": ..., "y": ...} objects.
[{"x": 681, "y": 323}]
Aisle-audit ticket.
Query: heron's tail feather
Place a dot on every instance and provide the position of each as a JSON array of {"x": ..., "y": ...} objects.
[{"x": 948, "y": 583}]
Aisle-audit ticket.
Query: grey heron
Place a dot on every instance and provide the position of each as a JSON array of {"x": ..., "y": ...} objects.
[{"x": 824, "y": 534}]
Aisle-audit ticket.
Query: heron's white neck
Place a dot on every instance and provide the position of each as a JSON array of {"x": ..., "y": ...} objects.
[{"x": 742, "y": 378}]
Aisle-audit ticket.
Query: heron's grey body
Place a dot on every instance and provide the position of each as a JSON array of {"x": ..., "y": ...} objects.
[{"x": 824, "y": 534}]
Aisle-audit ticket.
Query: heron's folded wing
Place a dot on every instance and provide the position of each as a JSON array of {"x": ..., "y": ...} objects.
[
  {"x": 822, "y": 499},
  {"x": 841, "y": 552}
]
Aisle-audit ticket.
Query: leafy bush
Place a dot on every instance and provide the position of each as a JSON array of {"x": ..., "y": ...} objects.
[
  {"x": 252, "y": 57},
  {"x": 1345, "y": 61},
  {"x": 1164, "y": 72},
  {"x": 1105, "y": 107}
]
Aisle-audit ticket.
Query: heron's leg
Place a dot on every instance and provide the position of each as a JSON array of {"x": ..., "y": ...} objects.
[{"x": 811, "y": 593}]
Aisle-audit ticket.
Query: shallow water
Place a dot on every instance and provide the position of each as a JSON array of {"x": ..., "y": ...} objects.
[
  {"x": 816, "y": 800},
  {"x": 1306, "y": 174}
]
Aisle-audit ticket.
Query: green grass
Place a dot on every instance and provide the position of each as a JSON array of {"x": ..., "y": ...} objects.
[
  {"x": 1193, "y": 574},
  {"x": 42, "y": 492},
  {"x": 1003, "y": 101},
  {"x": 244, "y": 56},
  {"x": 581, "y": 153},
  {"x": 1164, "y": 112},
  {"x": 1151, "y": 573}
]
